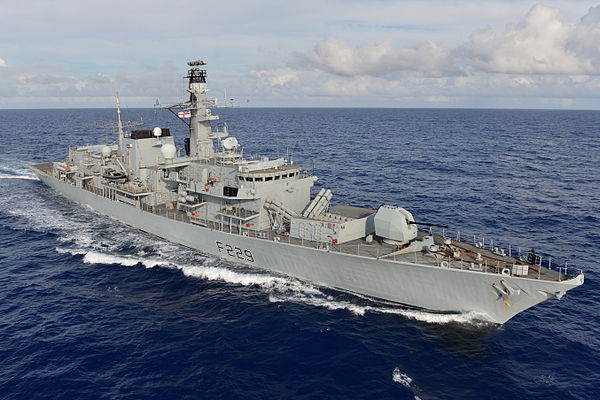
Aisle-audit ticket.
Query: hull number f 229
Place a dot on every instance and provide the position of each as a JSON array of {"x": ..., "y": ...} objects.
[{"x": 235, "y": 252}]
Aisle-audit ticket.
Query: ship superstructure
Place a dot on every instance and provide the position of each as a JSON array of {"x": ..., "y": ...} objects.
[{"x": 260, "y": 212}]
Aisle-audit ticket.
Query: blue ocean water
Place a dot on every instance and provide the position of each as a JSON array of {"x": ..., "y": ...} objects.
[{"x": 90, "y": 308}]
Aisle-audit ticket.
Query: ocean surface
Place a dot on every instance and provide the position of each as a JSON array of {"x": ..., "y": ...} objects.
[{"x": 93, "y": 309}]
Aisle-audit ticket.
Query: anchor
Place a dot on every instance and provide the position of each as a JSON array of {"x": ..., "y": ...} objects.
[{"x": 505, "y": 290}]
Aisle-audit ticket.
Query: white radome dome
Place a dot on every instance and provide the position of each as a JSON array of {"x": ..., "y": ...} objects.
[
  {"x": 106, "y": 151},
  {"x": 230, "y": 143},
  {"x": 168, "y": 151},
  {"x": 157, "y": 132}
]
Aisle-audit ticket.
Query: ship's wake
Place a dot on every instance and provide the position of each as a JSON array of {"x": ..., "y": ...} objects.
[
  {"x": 15, "y": 169},
  {"x": 9, "y": 176}
]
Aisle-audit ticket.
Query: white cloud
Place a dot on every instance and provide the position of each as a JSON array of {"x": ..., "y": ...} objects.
[
  {"x": 336, "y": 52},
  {"x": 541, "y": 57},
  {"x": 541, "y": 44},
  {"x": 51, "y": 84},
  {"x": 522, "y": 81},
  {"x": 335, "y": 56},
  {"x": 277, "y": 77},
  {"x": 437, "y": 99}
]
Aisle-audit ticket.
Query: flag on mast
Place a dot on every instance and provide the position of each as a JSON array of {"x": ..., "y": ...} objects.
[{"x": 184, "y": 114}]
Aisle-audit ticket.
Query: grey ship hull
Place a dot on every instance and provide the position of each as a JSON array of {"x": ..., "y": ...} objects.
[{"x": 428, "y": 287}]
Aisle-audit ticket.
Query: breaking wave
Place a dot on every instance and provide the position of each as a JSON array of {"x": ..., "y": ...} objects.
[
  {"x": 8, "y": 176},
  {"x": 402, "y": 378},
  {"x": 94, "y": 257},
  {"x": 15, "y": 169}
]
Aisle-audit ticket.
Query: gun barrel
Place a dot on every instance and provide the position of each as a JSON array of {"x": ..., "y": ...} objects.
[{"x": 428, "y": 224}]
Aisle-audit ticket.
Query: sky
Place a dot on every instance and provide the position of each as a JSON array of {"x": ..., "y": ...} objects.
[{"x": 268, "y": 53}]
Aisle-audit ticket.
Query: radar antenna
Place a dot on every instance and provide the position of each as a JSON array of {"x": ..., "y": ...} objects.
[{"x": 195, "y": 63}]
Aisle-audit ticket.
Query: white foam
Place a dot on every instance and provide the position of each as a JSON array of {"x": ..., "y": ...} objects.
[
  {"x": 546, "y": 379},
  {"x": 265, "y": 281},
  {"x": 318, "y": 299},
  {"x": 226, "y": 275},
  {"x": 430, "y": 317},
  {"x": 70, "y": 251},
  {"x": 28, "y": 177},
  {"x": 86, "y": 230},
  {"x": 44, "y": 219},
  {"x": 94, "y": 257},
  {"x": 281, "y": 288},
  {"x": 15, "y": 169},
  {"x": 399, "y": 377}
]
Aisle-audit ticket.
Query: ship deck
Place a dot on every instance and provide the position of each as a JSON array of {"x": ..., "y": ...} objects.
[{"x": 378, "y": 250}]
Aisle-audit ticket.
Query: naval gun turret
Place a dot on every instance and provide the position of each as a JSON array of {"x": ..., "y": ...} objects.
[{"x": 395, "y": 225}]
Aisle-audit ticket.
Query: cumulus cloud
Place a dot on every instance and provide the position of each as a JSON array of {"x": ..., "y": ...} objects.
[
  {"x": 540, "y": 57},
  {"x": 37, "y": 83},
  {"x": 437, "y": 99},
  {"x": 335, "y": 56},
  {"x": 51, "y": 84},
  {"x": 277, "y": 77},
  {"x": 541, "y": 44}
]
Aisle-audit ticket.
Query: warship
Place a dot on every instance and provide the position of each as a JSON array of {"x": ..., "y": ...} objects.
[{"x": 263, "y": 212}]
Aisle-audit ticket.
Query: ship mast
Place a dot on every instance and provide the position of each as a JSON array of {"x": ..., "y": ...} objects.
[
  {"x": 119, "y": 124},
  {"x": 201, "y": 145}
]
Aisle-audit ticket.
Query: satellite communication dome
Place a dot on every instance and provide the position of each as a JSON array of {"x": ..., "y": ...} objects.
[
  {"x": 168, "y": 151},
  {"x": 157, "y": 132},
  {"x": 106, "y": 151},
  {"x": 230, "y": 143}
]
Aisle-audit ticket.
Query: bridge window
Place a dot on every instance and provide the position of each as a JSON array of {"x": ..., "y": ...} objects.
[{"x": 229, "y": 191}]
